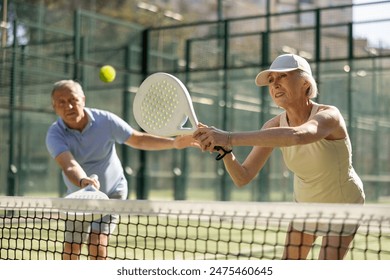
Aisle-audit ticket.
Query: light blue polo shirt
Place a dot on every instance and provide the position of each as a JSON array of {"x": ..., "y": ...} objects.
[{"x": 93, "y": 148}]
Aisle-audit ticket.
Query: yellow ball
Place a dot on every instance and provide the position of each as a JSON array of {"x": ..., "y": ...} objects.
[{"x": 107, "y": 73}]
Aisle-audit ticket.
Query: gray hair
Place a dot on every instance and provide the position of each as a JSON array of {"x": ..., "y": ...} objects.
[
  {"x": 70, "y": 84},
  {"x": 313, "y": 89}
]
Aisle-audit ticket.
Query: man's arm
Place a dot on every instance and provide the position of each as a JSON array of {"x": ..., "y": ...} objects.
[
  {"x": 145, "y": 141},
  {"x": 74, "y": 171}
]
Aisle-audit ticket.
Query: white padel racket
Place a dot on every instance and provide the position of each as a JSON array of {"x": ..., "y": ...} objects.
[
  {"x": 162, "y": 106},
  {"x": 88, "y": 192}
]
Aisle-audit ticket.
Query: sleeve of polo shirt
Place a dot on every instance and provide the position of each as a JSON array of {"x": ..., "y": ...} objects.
[
  {"x": 55, "y": 142},
  {"x": 120, "y": 129}
]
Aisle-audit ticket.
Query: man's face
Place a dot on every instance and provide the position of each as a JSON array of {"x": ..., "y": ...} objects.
[{"x": 69, "y": 105}]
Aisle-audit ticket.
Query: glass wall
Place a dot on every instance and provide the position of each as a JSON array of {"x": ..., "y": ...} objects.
[{"x": 218, "y": 61}]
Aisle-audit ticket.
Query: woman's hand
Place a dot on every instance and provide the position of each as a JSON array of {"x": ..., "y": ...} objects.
[{"x": 209, "y": 137}]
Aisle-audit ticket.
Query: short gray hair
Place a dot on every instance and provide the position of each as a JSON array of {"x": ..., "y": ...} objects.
[{"x": 67, "y": 84}]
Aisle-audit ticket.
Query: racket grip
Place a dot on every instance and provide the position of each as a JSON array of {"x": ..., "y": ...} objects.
[{"x": 91, "y": 187}]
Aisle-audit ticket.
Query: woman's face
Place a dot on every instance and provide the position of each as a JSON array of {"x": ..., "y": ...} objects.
[{"x": 287, "y": 88}]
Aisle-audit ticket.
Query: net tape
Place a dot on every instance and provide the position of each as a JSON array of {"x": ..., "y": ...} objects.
[{"x": 33, "y": 228}]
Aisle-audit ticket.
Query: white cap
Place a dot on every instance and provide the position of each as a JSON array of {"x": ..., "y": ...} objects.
[{"x": 283, "y": 63}]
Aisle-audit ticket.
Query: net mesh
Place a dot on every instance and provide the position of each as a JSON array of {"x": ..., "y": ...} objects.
[{"x": 34, "y": 228}]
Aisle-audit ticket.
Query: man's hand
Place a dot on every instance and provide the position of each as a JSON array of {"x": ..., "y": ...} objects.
[
  {"x": 90, "y": 181},
  {"x": 185, "y": 141}
]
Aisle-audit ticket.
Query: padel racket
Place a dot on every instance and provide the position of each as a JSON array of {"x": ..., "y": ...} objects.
[
  {"x": 88, "y": 192},
  {"x": 162, "y": 106}
]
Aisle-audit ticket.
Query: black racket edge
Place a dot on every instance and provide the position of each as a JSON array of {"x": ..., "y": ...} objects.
[{"x": 225, "y": 152}]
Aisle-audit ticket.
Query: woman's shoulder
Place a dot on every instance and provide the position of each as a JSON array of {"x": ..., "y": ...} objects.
[
  {"x": 323, "y": 107},
  {"x": 275, "y": 121},
  {"x": 326, "y": 108},
  {"x": 333, "y": 115}
]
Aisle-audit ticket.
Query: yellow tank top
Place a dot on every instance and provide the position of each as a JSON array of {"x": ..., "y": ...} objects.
[{"x": 323, "y": 171}]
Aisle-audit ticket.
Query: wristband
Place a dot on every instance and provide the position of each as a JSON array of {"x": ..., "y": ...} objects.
[{"x": 81, "y": 180}]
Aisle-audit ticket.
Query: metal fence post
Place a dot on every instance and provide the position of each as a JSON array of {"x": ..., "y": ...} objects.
[
  {"x": 142, "y": 188},
  {"x": 12, "y": 168}
]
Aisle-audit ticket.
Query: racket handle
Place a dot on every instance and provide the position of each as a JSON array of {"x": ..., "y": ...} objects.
[{"x": 91, "y": 187}]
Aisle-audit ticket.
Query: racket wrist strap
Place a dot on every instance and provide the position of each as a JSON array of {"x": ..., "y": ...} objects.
[
  {"x": 81, "y": 181},
  {"x": 225, "y": 151}
]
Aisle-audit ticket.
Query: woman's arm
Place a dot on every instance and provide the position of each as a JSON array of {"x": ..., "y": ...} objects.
[
  {"x": 244, "y": 173},
  {"x": 327, "y": 123}
]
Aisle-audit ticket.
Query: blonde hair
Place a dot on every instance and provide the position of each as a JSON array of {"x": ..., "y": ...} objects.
[{"x": 312, "y": 91}]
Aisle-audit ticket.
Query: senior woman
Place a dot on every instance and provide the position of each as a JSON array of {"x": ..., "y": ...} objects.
[{"x": 315, "y": 145}]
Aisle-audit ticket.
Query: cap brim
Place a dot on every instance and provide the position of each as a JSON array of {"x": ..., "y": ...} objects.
[{"x": 262, "y": 77}]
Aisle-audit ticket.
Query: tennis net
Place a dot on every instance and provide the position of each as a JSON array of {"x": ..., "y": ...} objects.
[{"x": 34, "y": 228}]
